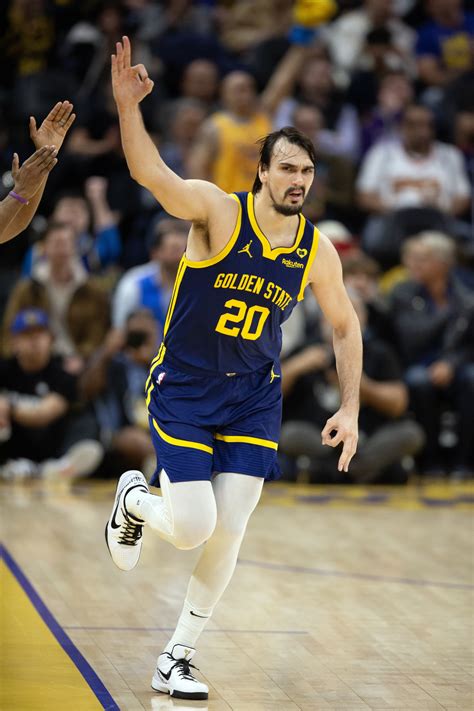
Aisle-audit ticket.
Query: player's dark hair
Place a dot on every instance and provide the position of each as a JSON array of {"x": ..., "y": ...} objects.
[{"x": 267, "y": 144}]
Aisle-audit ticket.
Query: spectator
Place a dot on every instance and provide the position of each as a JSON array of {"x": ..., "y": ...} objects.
[
  {"x": 383, "y": 121},
  {"x": 77, "y": 307},
  {"x": 227, "y": 148},
  {"x": 186, "y": 117},
  {"x": 386, "y": 434},
  {"x": 401, "y": 185},
  {"x": 36, "y": 398},
  {"x": 150, "y": 286},
  {"x": 361, "y": 276},
  {"x": 347, "y": 35},
  {"x": 315, "y": 86},
  {"x": 97, "y": 236},
  {"x": 94, "y": 147},
  {"x": 444, "y": 45},
  {"x": 433, "y": 320},
  {"x": 114, "y": 380},
  {"x": 200, "y": 81},
  {"x": 332, "y": 190}
]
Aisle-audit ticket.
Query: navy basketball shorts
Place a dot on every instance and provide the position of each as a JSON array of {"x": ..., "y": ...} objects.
[{"x": 201, "y": 425}]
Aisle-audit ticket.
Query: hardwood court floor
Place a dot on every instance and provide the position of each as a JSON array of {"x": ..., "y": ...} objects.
[{"x": 344, "y": 598}]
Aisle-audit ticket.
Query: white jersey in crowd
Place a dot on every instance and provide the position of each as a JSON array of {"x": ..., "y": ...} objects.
[{"x": 403, "y": 180}]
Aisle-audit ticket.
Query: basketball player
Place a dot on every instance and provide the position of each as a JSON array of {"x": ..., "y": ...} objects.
[{"x": 213, "y": 393}]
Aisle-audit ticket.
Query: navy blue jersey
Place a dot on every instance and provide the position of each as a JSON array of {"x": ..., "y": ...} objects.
[{"x": 225, "y": 313}]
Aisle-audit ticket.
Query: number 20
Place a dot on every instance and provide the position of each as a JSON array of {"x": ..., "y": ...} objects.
[{"x": 242, "y": 313}]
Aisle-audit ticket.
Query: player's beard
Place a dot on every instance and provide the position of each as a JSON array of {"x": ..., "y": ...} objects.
[{"x": 282, "y": 208}]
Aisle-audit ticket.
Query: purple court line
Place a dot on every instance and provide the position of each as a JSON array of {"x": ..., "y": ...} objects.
[
  {"x": 171, "y": 629},
  {"x": 358, "y": 576},
  {"x": 89, "y": 675}
]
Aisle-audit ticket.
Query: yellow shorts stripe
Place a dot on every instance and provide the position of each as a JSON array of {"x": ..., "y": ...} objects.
[
  {"x": 181, "y": 442},
  {"x": 247, "y": 440}
]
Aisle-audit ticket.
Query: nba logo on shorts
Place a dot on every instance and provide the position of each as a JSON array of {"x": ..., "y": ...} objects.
[{"x": 160, "y": 378}]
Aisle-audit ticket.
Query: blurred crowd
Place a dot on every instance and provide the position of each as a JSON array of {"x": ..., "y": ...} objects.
[{"x": 385, "y": 91}]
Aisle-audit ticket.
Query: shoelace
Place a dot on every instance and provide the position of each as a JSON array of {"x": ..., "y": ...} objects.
[
  {"x": 132, "y": 531},
  {"x": 183, "y": 668}
]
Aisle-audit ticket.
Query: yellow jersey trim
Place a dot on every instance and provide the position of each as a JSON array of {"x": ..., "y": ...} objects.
[
  {"x": 247, "y": 440},
  {"x": 148, "y": 392},
  {"x": 224, "y": 252},
  {"x": 268, "y": 251},
  {"x": 309, "y": 263},
  {"x": 174, "y": 295},
  {"x": 181, "y": 442}
]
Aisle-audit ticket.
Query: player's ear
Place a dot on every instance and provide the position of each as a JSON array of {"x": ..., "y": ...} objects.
[{"x": 262, "y": 173}]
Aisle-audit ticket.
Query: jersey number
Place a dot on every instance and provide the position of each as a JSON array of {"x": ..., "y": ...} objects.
[{"x": 251, "y": 328}]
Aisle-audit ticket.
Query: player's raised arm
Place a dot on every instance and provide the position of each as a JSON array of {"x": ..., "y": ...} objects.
[
  {"x": 186, "y": 199},
  {"x": 328, "y": 287}
]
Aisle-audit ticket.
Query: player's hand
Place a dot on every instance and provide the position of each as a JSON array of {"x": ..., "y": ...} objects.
[
  {"x": 29, "y": 177},
  {"x": 344, "y": 424},
  {"x": 130, "y": 84},
  {"x": 57, "y": 123}
]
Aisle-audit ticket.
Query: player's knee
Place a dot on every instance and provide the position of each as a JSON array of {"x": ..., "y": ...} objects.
[
  {"x": 193, "y": 531},
  {"x": 231, "y": 525}
]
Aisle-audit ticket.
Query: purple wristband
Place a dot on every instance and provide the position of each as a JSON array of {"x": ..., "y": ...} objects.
[{"x": 15, "y": 195}]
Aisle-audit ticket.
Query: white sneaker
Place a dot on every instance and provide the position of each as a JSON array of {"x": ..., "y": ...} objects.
[
  {"x": 123, "y": 532},
  {"x": 19, "y": 470},
  {"x": 173, "y": 675},
  {"x": 80, "y": 460}
]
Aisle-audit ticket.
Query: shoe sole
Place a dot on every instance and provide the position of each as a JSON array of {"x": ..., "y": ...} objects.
[{"x": 198, "y": 696}]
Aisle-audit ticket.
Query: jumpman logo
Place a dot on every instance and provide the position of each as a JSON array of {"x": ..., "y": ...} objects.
[
  {"x": 273, "y": 375},
  {"x": 246, "y": 249}
]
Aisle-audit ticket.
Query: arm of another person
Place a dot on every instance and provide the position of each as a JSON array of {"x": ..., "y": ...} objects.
[
  {"x": 41, "y": 413},
  {"x": 388, "y": 397},
  {"x": 193, "y": 200},
  {"x": 93, "y": 380},
  {"x": 30, "y": 179},
  {"x": 48, "y": 139},
  {"x": 49, "y": 136},
  {"x": 325, "y": 277},
  {"x": 108, "y": 245},
  {"x": 282, "y": 81},
  {"x": 309, "y": 360}
]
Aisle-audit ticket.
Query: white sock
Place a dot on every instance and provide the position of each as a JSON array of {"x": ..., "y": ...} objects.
[
  {"x": 190, "y": 625},
  {"x": 151, "y": 509}
]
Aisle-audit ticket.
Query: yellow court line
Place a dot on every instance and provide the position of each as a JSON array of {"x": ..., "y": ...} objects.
[
  {"x": 181, "y": 442},
  {"x": 36, "y": 674},
  {"x": 247, "y": 440}
]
